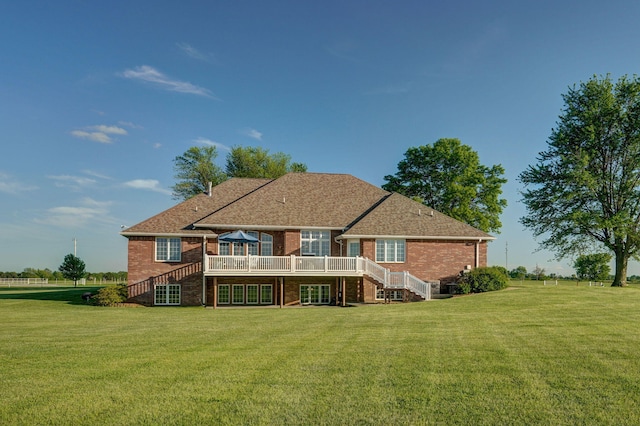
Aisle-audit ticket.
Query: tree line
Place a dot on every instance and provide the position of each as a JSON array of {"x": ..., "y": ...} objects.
[{"x": 58, "y": 275}]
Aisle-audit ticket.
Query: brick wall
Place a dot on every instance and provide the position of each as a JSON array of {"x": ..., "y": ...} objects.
[
  {"x": 144, "y": 269},
  {"x": 434, "y": 259}
]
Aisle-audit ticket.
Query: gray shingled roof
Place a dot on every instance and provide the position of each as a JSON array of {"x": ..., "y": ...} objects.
[
  {"x": 400, "y": 216},
  {"x": 305, "y": 200},
  {"x": 180, "y": 218},
  {"x": 299, "y": 200}
]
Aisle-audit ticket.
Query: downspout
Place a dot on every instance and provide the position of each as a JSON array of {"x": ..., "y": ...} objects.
[
  {"x": 339, "y": 242},
  {"x": 204, "y": 266},
  {"x": 478, "y": 253}
]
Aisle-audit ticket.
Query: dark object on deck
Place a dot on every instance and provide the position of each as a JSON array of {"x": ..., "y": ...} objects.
[{"x": 86, "y": 296}]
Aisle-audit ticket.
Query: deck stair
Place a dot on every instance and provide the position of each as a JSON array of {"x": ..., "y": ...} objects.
[{"x": 396, "y": 280}]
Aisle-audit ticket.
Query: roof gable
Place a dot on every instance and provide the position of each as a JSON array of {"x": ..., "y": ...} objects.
[
  {"x": 401, "y": 216},
  {"x": 298, "y": 200},
  {"x": 180, "y": 218}
]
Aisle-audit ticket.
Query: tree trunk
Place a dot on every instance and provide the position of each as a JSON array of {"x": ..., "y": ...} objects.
[{"x": 620, "y": 279}]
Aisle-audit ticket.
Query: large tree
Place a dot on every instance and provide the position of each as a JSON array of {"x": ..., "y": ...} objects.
[
  {"x": 194, "y": 170},
  {"x": 585, "y": 187},
  {"x": 256, "y": 162},
  {"x": 73, "y": 268},
  {"x": 448, "y": 177},
  {"x": 593, "y": 267}
]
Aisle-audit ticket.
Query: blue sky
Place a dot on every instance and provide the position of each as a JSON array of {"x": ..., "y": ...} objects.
[{"x": 98, "y": 98}]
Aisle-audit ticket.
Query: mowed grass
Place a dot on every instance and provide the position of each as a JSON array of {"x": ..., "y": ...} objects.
[{"x": 531, "y": 354}]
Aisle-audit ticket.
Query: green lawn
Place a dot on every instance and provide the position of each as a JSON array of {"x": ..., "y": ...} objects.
[{"x": 531, "y": 354}]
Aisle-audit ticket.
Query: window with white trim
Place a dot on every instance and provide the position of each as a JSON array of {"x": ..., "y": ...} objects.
[
  {"x": 315, "y": 294},
  {"x": 390, "y": 250},
  {"x": 315, "y": 243},
  {"x": 353, "y": 248},
  {"x": 166, "y": 294},
  {"x": 223, "y": 294},
  {"x": 266, "y": 242},
  {"x": 237, "y": 298},
  {"x": 168, "y": 249},
  {"x": 266, "y": 294},
  {"x": 253, "y": 247},
  {"x": 393, "y": 294},
  {"x": 252, "y": 294}
]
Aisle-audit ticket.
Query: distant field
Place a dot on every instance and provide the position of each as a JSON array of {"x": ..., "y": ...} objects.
[{"x": 532, "y": 354}]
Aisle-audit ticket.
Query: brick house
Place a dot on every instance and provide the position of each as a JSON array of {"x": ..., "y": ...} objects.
[{"x": 322, "y": 239}]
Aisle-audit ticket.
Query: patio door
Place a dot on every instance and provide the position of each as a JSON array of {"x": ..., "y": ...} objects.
[{"x": 315, "y": 294}]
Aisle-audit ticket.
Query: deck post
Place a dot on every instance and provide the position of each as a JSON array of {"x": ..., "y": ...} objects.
[
  {"x": 215, "y": 292},
  {"x": 344, "y": 291},
  {"x": 281, "y": 291}
]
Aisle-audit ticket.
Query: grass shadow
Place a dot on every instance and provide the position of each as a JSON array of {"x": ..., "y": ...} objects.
[{"x": 70, "y": 295}]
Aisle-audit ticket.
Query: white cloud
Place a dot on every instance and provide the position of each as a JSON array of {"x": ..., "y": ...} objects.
[
  {"x": 193, "y": 52},
  {"x": 130, "y": 124},
  {"x": 92, "y": 136},
  {"x": 9, "y": 186},
  {"x": 205, "y": 141},
  {"x": 149, "y": 74},
  {"x": 147, "y": 185},
  {"x": 88, "y": 210},
  {"x": 99, "y": 133},
  {"x": 252, "y": 133},
  {"x": 96, "y": 174},
  {"x": 72, "y": 181}
]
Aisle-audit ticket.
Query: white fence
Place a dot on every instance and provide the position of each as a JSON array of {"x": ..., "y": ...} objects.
[{"x": 19, "y": 282}]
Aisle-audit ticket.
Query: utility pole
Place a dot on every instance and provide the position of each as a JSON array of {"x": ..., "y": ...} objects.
[
  {"x": 75, "y": 246},
  {"x": 506, "y": 255}
]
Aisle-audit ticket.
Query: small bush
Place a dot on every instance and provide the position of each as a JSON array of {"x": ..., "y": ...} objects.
[
  {"x": 463, "y": 287},
  {"x": 109, "y": 296},
  {"x": 480, "y": 280},
  {"x": 123, "y": 290}
]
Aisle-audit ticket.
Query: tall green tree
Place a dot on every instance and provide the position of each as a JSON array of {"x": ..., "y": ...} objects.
[
  {"x": 256, "y": 162},
  {"x": 585, "y": 188},
  {"x": 518, "y": 273},
  {"x": 194, "y": 170},
  {"x": 593, "y": 267},
  {"x": 73, "y": 268},
  {"x": 448, "y": 177}
]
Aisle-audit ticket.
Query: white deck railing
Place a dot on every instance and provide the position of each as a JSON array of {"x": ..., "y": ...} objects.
[
  {"x": 282, "y": 264},
  {"x": 316, "y": 265}
]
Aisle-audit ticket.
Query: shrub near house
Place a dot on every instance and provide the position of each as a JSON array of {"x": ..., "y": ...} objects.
[{"x": 484, "y": 279}]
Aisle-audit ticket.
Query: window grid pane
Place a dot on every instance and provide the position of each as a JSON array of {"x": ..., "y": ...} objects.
[
  {"x": 223, "y": 294},
  {"x": 174, "y": 294},
  {"x": 238, "y": 294},
  {"x": 160, "y": 295},
  {"x": 267, "y": 245},
  {"x": 174, "y": 249},
  {"x": 266, "y": 295},
  {"x": 317, "y": 243},
  {"x": 380, "y": 250},
  {"x": 162, "y": 248},
  {"x": 252, "y": 294},
  {"x": 223, "y": 249}
]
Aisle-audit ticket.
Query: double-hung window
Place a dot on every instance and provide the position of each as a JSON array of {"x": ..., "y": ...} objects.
[
  {"x": 315, "y": 243},
  {"x": 390, "y": 250},
  {"x": 168, "y": 249}
]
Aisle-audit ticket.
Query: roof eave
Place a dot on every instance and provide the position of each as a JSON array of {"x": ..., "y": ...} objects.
[{"x": 419, "y": 237}]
